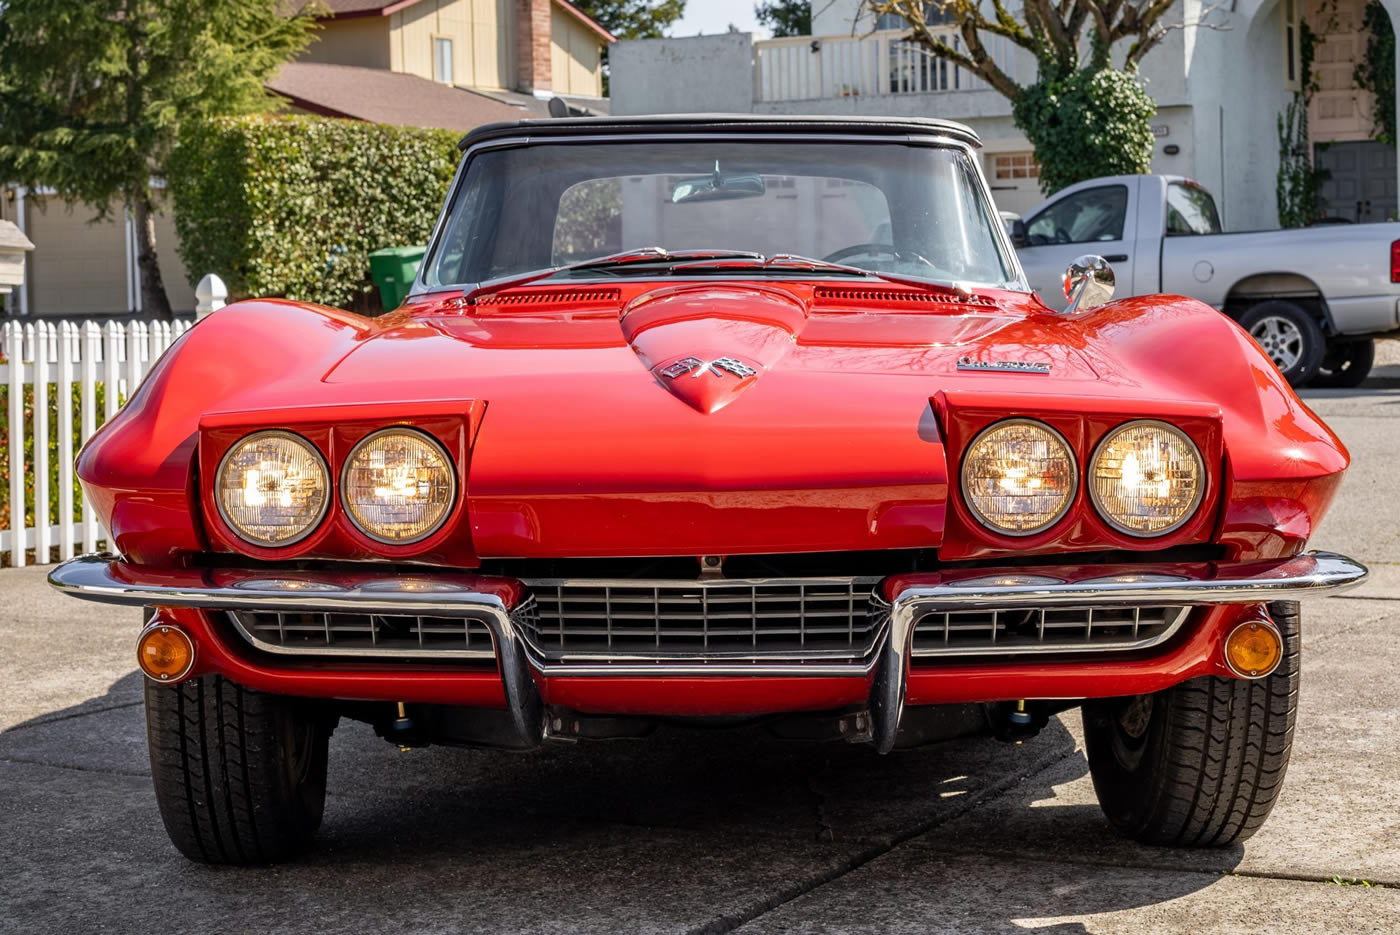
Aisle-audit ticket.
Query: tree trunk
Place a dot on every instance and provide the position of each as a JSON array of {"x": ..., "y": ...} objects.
[{"x": 154, "y": 301}]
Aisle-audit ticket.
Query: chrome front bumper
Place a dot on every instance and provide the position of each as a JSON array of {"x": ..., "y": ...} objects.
[{"x": 901, "y": 599}]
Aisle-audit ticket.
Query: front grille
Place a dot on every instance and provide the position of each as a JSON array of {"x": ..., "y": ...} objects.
[
  {"x": 791, "y": 620},
  {"x": 1044, "y": 629},
  {"x": 381, "y": 635}
]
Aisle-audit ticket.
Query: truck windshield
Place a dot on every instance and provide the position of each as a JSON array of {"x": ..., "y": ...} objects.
[{"x": 886, "y": 207}]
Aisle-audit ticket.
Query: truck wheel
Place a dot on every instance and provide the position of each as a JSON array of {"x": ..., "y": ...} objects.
[
  {"x": 1346, "y": 363},
  {"x": 1289, "y": 336},
  {"x": 240, "y": 775},
  {"x": 1199, "y": 764}
]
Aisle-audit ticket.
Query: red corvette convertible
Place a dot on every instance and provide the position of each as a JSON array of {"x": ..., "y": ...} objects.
[{"x": 716, "y": 418}]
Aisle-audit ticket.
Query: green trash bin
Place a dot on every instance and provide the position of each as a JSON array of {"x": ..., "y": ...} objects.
[{"x": 393, "y": 270}]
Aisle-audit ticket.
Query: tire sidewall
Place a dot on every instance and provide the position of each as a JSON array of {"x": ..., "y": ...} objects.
[
  {"x": 1346, "y": 364},
  {"x": 1314, "y": 344}
]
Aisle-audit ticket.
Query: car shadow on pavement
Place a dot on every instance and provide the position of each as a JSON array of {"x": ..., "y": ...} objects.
[{"x": 686, "y": 829}]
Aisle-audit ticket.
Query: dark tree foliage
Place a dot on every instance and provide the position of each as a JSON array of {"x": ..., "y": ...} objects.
[
  {"x": 785, "y": 17},
  {"x": 634, "y": 19},
  {"x": 93, "y": 93}
]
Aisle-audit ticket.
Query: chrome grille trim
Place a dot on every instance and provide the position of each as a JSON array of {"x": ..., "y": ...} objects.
[
  {"x": 1044, "y": 630},
  {"x": 792, "y": 621},
  {"x": 376, "y": 636}
]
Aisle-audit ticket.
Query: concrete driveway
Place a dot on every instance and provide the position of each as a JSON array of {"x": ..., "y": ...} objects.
[{"x": 695, "y": 831}]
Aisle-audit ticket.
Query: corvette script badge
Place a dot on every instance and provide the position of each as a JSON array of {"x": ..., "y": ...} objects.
[
  {"x": 697, "y": 368},
  {"x": 1005, "y": 366}
]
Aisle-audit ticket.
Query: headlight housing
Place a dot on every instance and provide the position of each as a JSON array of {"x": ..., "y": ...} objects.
[
  {"x": 398, "y": 486},
  {"x": 1146, "y": 478},
  {"x": 1019, "y": 477},
  {"x": 272, "y": 488}
]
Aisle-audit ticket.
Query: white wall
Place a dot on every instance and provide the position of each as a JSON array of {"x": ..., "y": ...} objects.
[
  {"x": 676, "y": 76},
  {"x": 839, "y": 17}
]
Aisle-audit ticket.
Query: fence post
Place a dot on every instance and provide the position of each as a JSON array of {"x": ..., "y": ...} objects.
[
  {"x": 111, "y": 370},
  {"x": 135, "y": 350},
  {"x": 14, "y": 353},
  {"x": 92, "y": 348},
  {"x": 41, "y": 442},
  {"x": 67, "y": 341},
  {"x": 210, "y": 295}
]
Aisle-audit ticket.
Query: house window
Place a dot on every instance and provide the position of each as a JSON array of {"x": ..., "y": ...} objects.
[
  {"x": 442, "y": 60},
  {"x": 935, "y": 14},
  {"x": 1015, "y": 166}
]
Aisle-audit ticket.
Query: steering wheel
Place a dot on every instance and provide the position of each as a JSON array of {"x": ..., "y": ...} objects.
[{"x": 874, "y": 248}]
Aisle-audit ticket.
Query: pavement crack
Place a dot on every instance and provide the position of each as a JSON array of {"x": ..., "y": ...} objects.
[
  {"x": 1159, "y": 866},
  {"x": 730, "y": 923},
  {"x": 25, "y": 761}
]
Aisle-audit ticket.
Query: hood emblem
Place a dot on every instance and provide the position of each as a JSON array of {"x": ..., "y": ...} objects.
[
  {"x": 1005, "y": 366},
  {"x": 698, "y": 368}
]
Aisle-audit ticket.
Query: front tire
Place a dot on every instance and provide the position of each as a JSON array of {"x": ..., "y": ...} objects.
[
  {"x": 240, "y": 775},
  {"x": 1288, "y": 334},
  {"x": 1199, "y": 764},
  {"x": 1346, "y": 364}
]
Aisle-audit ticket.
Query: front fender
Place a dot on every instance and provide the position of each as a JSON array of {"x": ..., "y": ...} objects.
[{"x": 138, "y": 470}]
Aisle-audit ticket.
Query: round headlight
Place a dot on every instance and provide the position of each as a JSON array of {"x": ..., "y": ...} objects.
[
  {"x": 1019, "y": 477},
  {"x": 398, "y": 486},
  {"x": 1146, "y": 478},
  {"x": 271, "y": 488}
]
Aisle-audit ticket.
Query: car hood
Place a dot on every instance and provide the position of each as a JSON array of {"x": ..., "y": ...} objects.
[{"x": 749, "y": 417}]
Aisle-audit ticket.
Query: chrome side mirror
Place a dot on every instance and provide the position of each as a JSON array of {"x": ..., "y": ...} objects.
[{"x": 1088, "y": 283}]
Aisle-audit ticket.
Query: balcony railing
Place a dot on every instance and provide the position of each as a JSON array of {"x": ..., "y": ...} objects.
[{"x": 806, "y": 67}]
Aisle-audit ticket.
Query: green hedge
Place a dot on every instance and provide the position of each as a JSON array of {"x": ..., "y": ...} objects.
[
  {"x": 291, "y": 206},
  {"x": 99, "y": 397}
]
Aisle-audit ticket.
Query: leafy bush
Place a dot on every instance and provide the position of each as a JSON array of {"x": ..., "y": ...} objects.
[
  {"x": 55, "y": 468},
  {"x": 1085, "y": 124},
  {"x": 291, "y": 206}
]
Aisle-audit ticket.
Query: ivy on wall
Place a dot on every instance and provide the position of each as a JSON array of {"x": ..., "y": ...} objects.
[
  {"x": 1299, "y": 183},
  {"x": 1376, "y": 70}
]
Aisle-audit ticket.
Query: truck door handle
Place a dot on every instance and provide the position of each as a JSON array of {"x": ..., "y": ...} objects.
[{"x": 1117, "y": 258}]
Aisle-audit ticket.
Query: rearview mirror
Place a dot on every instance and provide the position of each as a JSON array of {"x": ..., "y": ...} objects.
[{"x": 718, "y": 186}]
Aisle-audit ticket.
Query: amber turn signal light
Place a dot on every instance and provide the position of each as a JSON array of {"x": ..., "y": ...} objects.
[
  {"x": 1253, "y": 649},
  {"x": 165, "y": 653}
]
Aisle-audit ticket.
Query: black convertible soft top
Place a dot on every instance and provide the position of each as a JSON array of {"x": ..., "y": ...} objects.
[{"x": 725, "y": 123}]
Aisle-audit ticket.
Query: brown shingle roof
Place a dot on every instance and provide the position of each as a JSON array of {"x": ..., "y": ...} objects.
[
  {"x": 365, "y": 7},
  {"x": 381, "y": 96}
]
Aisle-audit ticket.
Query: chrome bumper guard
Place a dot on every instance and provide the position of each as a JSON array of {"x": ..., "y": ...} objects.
[{"x": 107, "y": 579}]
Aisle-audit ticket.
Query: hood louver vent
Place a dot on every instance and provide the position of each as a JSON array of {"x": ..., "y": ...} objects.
[
  {"x": 860, "y": 297},
  {"x": 553, "y": 299}
]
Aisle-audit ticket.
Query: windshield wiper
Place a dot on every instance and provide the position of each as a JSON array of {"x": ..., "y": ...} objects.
[
  {"x": 795, "y": 263},
  {"x": 694, "y": 260},
  {"x": 638, "y": 256}
]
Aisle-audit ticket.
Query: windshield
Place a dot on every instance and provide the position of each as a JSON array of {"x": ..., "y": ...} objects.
[{"x": 886, "y": 207}]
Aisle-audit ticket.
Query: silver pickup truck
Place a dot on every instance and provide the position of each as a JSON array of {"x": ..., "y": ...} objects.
[{"x": 1313, "y": 298}]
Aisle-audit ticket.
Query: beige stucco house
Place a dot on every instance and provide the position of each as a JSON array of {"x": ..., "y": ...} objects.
[{"x": 454, "y": 64}]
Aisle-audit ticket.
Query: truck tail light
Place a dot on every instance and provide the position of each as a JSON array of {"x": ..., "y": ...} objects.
[{"x": 1395, "y": 261}]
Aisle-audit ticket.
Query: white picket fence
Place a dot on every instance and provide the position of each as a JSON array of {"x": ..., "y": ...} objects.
[{"x": 52, "y": 358}]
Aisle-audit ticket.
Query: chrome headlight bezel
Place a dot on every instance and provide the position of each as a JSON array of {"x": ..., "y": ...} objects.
[
  {"x": 326, "y": 498},
  {"x": 431, "y": 442},
  {"x": 1203, "y": 479},
  {"x": 1074, "y": 475}
]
